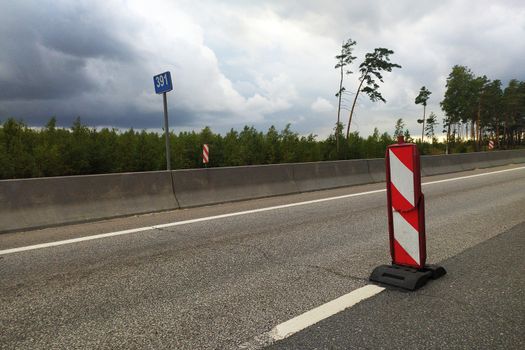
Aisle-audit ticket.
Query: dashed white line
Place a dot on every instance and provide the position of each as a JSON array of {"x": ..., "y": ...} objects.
[
  {"x": 311, "y": 317},
  {"x": 333, "y": 307},
  {"x": 209, "y": 218}
]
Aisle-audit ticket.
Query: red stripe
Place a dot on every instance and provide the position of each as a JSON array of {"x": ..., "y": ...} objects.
[
  {"x": 205, "y": 153},
  {"x": 404, "y": 154},
  {"x": 398, "y": 201},
  {"x": 412, "y": 217},
  {"x": 401, "y": 257}
]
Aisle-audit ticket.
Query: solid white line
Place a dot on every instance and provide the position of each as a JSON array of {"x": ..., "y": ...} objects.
[
  {"x": 309, "y": 318},
  {"x": 331, "y": 308},
  {"x": 472, "y": 176},
  {"x": 209, "y": 218},
  {"x": 178, "y": 223}
]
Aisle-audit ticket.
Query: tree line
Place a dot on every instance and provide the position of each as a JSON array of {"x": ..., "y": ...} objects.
[
  {"x": 54, "y": 151},
  {"x": 478, "y": 108}
]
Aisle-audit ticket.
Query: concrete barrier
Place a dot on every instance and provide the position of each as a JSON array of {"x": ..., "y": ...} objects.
[
  {"x": 377, "y": 169},
  {"x": 441, "y": 164},
  {"x": 35, "y": 203},
  {"x": 43, "y": 202},
  {"x": 473, "y": 161},
  {"x": 507, "y": 157},
  {"x": 323, "y": 175},
  {"x": 517, "y": 156},
  {"x": 481, "y": 160},
  {"x": 196, "y": 187}
]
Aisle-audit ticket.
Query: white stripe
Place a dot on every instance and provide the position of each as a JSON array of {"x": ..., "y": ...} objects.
[
  {"x": 178, "y": 223},
  {"x": 402, "y": 178},
  {"x": 311, "y": 317},
  {"x": 331, "y": 308},
  {"x": 407, "y": 236},
  {"x": 247, "y": 212},
  {"x": 472, "y": 176},
  {"x": 205, "y": 153}
]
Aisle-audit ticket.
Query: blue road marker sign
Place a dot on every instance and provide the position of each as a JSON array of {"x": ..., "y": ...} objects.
[{"x": 162, "y": 83}]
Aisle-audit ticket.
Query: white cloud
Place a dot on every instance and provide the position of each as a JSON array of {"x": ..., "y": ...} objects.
[
  {"x": 260, "y": 63},
  {"x": 321, "y": 105}
]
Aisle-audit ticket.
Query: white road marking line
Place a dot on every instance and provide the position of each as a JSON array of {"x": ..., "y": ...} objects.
[
  {"x": 309, "y": 318},
  {"x": 331, "y": 308},
  {"x": 178, "y": 223},
  {"x": 471, "y": 176},
  {"x": 209, "y": 218}
]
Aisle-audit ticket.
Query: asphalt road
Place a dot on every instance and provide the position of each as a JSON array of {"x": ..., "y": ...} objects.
[
  {"x": 220, "y": 283},
  {"x": 480, "y": 304}
]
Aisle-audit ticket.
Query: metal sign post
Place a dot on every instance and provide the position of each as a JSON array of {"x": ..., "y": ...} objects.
[
  {"x": 166, "y": 132},
  {"x": 163, "y": 85}
]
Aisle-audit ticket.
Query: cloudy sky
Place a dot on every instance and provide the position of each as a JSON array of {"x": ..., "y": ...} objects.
[{"x": 238, "y": 62}]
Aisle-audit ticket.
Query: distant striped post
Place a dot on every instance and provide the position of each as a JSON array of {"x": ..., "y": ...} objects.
[{"x": 205, "y": 154}]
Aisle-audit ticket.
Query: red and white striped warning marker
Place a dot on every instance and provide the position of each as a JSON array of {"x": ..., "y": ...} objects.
[
  {"x": 406, "y": 222},
  {"x": 406, "y": 217},
  {"x": 205, "y": 154},
  {"x": 491, "y": 144}
]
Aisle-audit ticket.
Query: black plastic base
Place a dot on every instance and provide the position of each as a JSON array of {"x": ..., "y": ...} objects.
[{"x": 406, "y": 277}]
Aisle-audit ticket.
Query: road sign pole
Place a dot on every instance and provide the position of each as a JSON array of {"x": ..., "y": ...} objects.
[
  {"x": 163, "y": 84},
  {"x": 166, "y": 131}
]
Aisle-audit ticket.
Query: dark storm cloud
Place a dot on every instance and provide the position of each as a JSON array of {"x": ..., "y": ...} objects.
[
  {"x": 238, "y": 62},
  {"x": 38, "y": 113},
  {"x": 45, "y": 46}
]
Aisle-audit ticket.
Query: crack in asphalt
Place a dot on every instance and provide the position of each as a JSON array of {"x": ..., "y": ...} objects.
[{"x": 332, "y": 271}]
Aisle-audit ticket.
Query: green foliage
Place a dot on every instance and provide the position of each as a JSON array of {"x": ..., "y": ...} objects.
[
  {"x": 371, "y": 69},
  {"x": 399, "y": 128},
  {"x": 480, "y": 106},
  {"x": 458, "y": 100},
  {"x": 345, "y": 57},
  {"x": 423, "y": 96},
  {"x": 492, "y": 103},
  {"x": 407, "y": 137},
  {"x": 431, "y": 126},
  {"x": 52, "y": 151}
]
